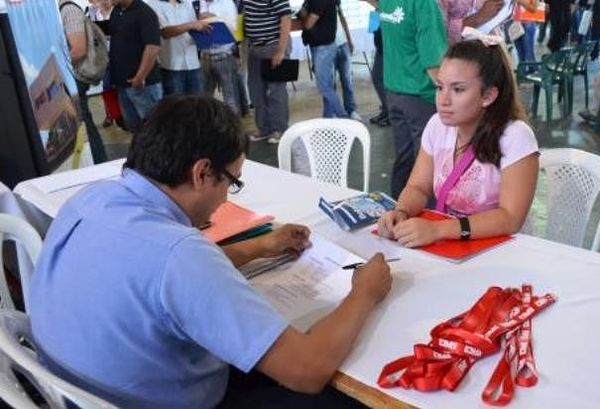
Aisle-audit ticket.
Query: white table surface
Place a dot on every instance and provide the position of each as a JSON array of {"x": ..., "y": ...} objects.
[{"x": 428, "y": 290}]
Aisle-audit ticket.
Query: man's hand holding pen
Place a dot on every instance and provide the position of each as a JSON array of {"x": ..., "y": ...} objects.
[{"x": 372, "y": 281}]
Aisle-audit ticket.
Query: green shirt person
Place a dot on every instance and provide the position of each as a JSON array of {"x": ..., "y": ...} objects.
[{"x": 414, "y": 40}]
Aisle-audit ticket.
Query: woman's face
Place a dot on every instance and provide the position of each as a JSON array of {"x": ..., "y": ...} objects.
[{"x": 460, "y": 98}]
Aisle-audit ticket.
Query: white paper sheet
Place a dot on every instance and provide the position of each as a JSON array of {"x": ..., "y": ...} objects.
[{"x": 306, "y": 290}]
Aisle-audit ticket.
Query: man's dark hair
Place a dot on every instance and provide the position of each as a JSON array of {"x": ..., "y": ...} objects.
[{"x": 181, "y": 130}]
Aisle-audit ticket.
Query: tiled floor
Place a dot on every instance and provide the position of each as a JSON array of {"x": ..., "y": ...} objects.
[{"x": 305, "y": 103}]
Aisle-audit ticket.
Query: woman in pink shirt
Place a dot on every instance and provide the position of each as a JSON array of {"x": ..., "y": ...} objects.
[{"x": 481, "y": 119}]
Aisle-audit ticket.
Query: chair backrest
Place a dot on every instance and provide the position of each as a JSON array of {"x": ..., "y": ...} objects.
[
  {"x": 20, "y": 358},
  {"x": 557, "y": 63},
  {"x": 572, "y": 184},
  {"x": 581, "y": 56},
  {"x": 328, "y": 143},
  {"x": 13, "y": 227}
]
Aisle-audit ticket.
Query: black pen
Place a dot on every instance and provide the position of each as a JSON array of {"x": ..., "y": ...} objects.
[{"x": 362, "y": 263}]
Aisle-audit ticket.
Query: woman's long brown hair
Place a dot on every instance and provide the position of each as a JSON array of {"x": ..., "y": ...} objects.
[{"x": 494, "y": 71}]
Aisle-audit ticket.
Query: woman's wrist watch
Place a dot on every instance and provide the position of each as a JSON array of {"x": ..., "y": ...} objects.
[{"x": 465, "y": 228}]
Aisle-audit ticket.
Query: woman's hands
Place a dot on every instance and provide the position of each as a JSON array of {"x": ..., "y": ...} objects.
[
  {"x": 416, "y": 232},
  {"x": 386, "y": 223},
  {"x": 410, "y": 232}
]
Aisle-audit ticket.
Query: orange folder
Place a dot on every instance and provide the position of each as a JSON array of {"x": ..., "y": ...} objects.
[
  {"x": 458, "y": 250},
  {"x": 230, "y": 219}
]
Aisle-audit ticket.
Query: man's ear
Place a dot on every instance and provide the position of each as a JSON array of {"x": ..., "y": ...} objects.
[
  {"x": 201, "y": 169},
  {"x": 489, "y": 96}
]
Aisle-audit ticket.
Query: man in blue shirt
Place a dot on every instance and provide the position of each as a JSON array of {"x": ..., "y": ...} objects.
[{"x": 130, "y": 301}]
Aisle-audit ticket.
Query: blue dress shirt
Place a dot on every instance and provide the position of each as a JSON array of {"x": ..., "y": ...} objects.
[{"x": 130, "y": 301}]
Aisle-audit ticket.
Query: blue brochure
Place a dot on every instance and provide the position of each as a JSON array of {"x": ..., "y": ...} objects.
[
  {"x": 219, "y": 35},
  {"x": 358, "y": 211}
]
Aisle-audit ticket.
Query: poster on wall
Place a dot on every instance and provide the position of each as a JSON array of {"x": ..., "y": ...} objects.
[{"x": 44, "y": 57}]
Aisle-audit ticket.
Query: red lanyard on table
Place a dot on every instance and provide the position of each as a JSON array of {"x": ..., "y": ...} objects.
[{"x": 499, "y": 320}]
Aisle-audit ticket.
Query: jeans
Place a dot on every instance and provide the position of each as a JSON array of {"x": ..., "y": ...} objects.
[
  {"x": 94, "y": 138},
  {"x": 136, "y": 103},
  {"x": 270, "y": 99},
  {"x": 343, "y": 65},
  {"x": 324, "y": 65},
  {"x": 377, "y": 78},
  {"x": 525, "y": 44},
  {"x": 182, "y": 82},
  {"x": 408, "y": 115},
  {"x": 241, "y": 94},
  {"x": 220, "y": 69}
]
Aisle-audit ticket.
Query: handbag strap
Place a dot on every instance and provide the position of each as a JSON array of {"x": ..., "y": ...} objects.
[{"x": 459, "y": 169}]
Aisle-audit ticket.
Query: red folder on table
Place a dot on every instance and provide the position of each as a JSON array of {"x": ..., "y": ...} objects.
[
  {"x": 457, "y": 251},
  {"x": 231, "y": 219}
]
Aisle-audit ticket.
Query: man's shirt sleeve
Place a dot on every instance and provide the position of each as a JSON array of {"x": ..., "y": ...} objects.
[
  {"x": 317, "y": 7},
  {"x": 149, "y": 28},
  {"x": 205, "y": 298},
  {"x": 281, "y": 8},
  {"x": 73, "y": 19},
  {"x": 155, "y": 6}
]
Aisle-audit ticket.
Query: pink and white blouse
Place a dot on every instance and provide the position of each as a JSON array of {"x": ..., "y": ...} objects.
[{"x": 478, "y": 189}]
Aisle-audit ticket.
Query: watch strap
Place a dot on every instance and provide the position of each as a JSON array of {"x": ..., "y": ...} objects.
[{"x": 465, "y": 228}]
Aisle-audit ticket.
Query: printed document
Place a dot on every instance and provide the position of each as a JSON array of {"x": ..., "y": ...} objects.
[{"x": 310, "y": 287}]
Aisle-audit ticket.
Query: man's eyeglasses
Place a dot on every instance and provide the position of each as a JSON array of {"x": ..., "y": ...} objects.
[{"x": 235, "y": 185}]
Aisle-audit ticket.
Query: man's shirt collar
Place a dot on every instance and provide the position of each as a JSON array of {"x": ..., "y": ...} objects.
[{"x": 150, "y": 192}]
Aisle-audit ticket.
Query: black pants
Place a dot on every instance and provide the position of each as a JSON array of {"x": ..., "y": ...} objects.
[
  {"x": 94, "y": 138},
  {"x": 377, "y": 78},
  {"x": 560, "y": 23},
  {"x": 257, "y": 391},
  {"x": 408, "y": 114}
]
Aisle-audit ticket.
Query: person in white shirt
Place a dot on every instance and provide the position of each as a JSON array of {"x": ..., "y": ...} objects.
[
  {"x": 218, "y": 62},
  {"x": 178, "y": 55}
]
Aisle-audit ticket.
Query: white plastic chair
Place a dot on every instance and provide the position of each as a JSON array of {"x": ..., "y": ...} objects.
[
  {"x": 14, "y": 329},
  {"x": 12, "y": 227},
  {"x": 11, "y": 391},
  {"x": 328, "y": 143},
  {"x": 572, "y": 184}
]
